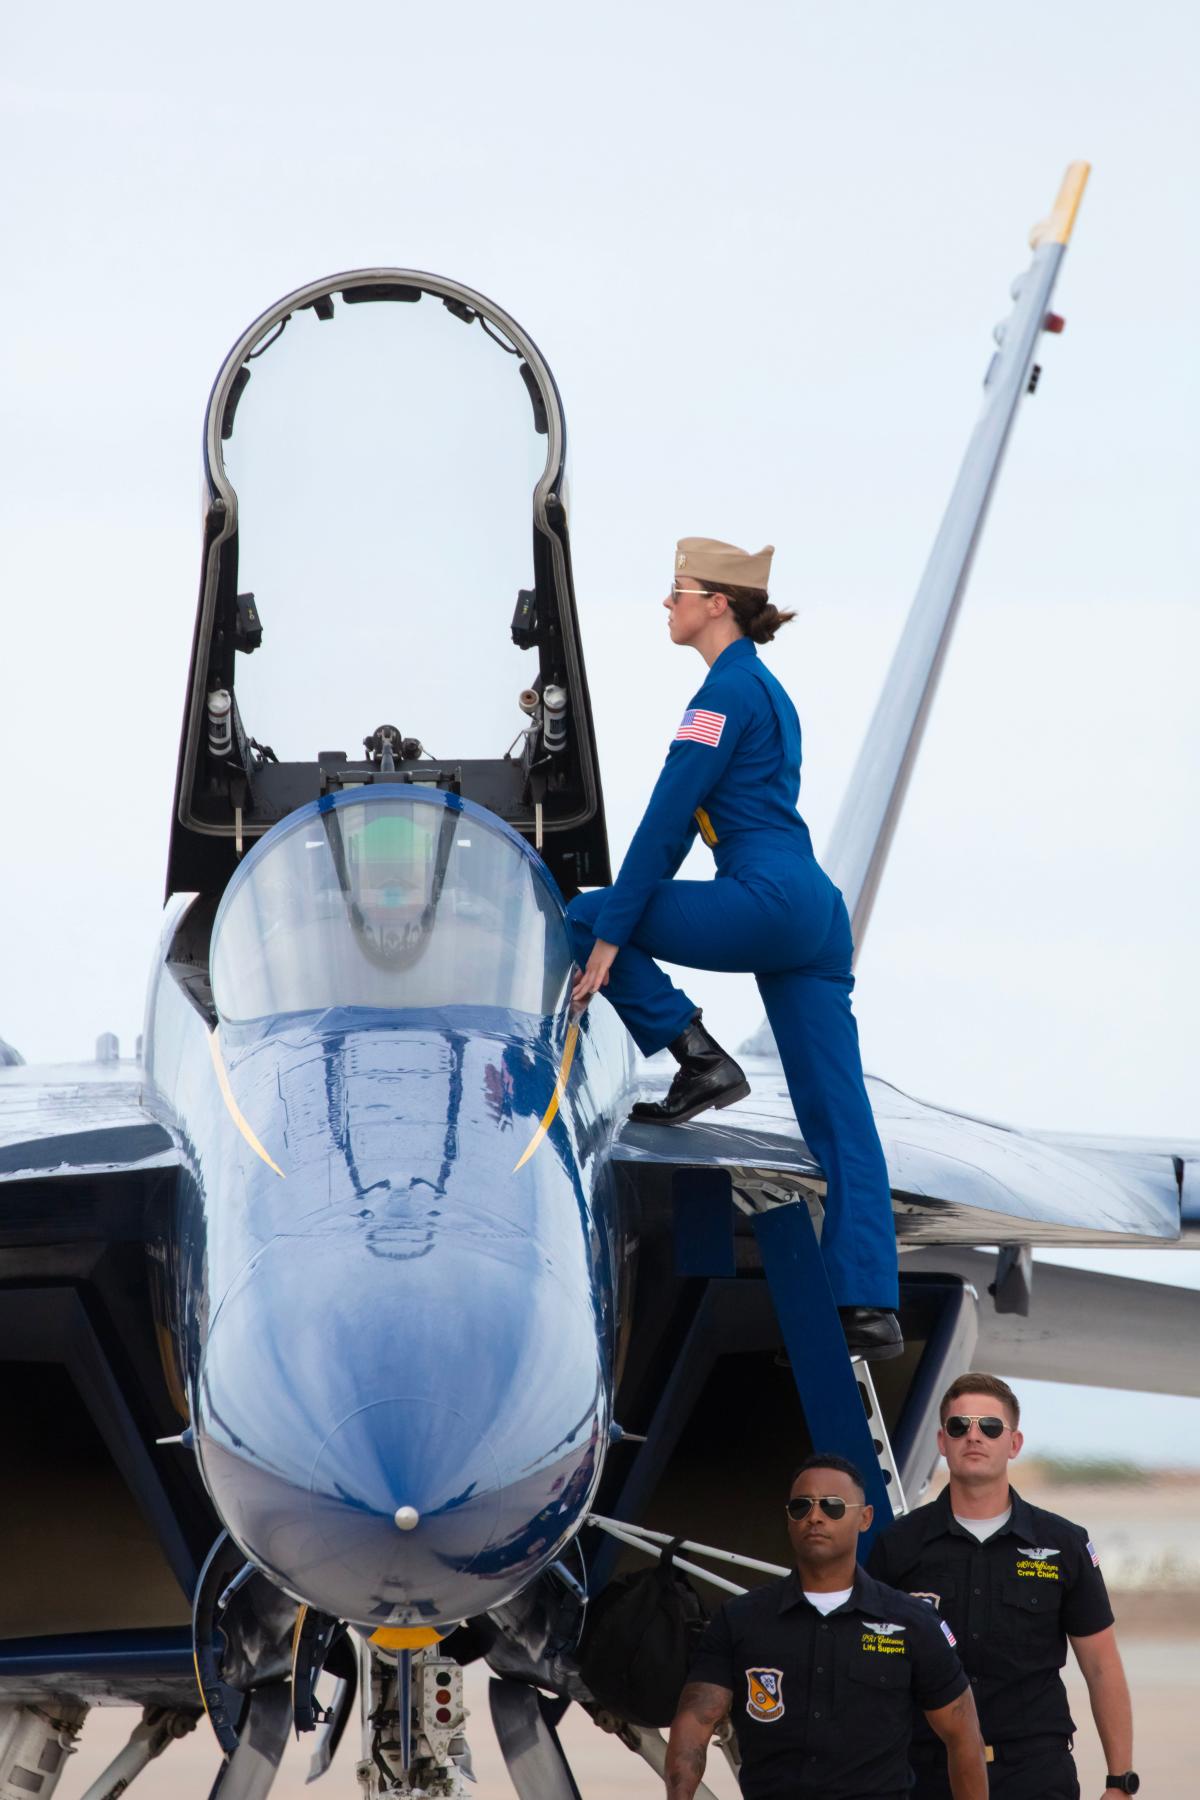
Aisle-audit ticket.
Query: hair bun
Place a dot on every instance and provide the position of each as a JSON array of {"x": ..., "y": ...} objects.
[{"x": 767, "y": 622}]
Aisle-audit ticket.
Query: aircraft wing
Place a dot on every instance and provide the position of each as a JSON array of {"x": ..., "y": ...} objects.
[
  {"x": 1142, "y": 1158},
  {"x": 957, "y": 1183},
  {"x": 955, "y": 1179},
  {"x": 1085, "y": 1328},
  {"x": 76, "y": 1119},
  {"x": 104, "y": 1530}
]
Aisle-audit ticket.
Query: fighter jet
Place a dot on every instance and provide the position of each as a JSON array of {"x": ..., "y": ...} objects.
[{"x": 333, "y": 1323}]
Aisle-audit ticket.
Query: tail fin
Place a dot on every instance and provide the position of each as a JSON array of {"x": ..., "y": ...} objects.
[{"x": 862, "y": 833}]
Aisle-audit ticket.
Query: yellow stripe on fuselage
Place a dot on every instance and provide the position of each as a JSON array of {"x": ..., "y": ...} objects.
[
  {"x": 234, "y": 1110},
  {"x": 560, "y": 1088}
]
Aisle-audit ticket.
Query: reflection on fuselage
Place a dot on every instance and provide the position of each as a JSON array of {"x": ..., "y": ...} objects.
[{"x": 397, "y": 1318}]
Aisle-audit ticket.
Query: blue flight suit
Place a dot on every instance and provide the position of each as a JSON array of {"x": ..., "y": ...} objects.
[{"x": 733, "y": 773}]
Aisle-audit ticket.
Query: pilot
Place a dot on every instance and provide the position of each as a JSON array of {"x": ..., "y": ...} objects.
[
  {"x": 822, "y": 1669},
  {"x": 1014, "y": 1583},
  {"x": 732, "y": 773}
]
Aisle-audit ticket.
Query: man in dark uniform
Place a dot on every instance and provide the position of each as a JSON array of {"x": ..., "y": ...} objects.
[
  {"x": 1014, "y": 1583},
  {"x": 822, "y": 1669}
]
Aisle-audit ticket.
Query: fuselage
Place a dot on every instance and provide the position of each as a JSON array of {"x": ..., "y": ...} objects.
[{"x": 396, "y": 1251}]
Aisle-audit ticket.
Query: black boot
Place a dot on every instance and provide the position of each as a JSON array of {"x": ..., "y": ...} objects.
[
  {"x": 708, "y": 1076},
  {"x": 871, "y": 1332}
]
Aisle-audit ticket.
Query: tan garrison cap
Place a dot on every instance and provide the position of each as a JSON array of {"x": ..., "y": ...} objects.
[{"x": 708, "y": 559}]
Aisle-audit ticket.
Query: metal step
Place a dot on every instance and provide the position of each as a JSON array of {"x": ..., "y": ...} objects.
[{"x": 884, "y": 1456}]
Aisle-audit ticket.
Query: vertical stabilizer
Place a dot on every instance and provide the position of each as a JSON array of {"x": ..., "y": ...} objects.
[{"x": 862, "y": 833}]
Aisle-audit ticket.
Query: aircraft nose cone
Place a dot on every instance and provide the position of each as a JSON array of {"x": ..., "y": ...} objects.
[
  {"x": 403, "y": 1440},
  {"x": 404, "y": 1497}
]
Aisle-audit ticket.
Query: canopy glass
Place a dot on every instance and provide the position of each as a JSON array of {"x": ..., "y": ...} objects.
[
  {"x": 390, "y": 899},
  {"x": 384, "y": 460}
]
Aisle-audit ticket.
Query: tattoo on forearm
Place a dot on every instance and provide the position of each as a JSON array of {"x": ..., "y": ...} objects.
[
  {"x": 702, "y": 1706},
  {"x": 705, "y": 1701}
]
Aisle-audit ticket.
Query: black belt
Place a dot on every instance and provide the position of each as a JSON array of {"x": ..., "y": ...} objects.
[{"x": 1014, "y": 1750}]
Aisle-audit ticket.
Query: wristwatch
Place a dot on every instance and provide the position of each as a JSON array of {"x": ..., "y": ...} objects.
[{"x": 1127, "y": 1783}]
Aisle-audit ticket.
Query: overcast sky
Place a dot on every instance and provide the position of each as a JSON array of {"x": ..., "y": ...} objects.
[{"x": 763, "y": 249}]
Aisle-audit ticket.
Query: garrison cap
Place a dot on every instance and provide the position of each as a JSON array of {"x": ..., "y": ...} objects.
[{"x": 708, "y": 559}]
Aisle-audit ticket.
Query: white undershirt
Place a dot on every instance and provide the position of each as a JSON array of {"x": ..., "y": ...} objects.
[
  {"x": 827, "y": 1603},
  {"x": 984, "y": 1528}
]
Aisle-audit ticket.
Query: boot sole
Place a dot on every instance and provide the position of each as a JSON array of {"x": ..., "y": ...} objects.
[
  {"x": 879, "y": 1353},
  {"x": 730, "y": 1098}
]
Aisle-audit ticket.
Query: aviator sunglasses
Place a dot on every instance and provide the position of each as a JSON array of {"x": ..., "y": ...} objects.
[
  {"x": 958, "y": 1425},
  {"x": 832, "y": 1505}
]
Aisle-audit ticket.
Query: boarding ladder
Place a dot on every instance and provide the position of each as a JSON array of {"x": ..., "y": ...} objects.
[{"x": 836, "y": 1391}]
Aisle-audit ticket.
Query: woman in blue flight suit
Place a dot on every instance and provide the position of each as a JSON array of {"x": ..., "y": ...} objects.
[{"x": 733, "y": 773}]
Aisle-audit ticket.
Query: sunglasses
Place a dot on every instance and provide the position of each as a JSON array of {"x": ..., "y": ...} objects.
[
  {"x": 832, "y": 1505},
  {"x": 958, "y": 1425},
  {"x": 677, "y": 593}
]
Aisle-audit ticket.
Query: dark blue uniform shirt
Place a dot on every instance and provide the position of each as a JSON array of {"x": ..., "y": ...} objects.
[
  {"x": 823, "y": 1707},
  {"x": 733, "y": 773},
  {"x": 1011, "y": 1602}
]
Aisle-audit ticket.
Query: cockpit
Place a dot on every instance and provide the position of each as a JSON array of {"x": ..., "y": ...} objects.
[{"x": 390, "y": 899}]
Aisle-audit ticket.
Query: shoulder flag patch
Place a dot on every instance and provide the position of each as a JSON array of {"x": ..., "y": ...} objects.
[
  {"x": 947, "y": 1633},
  {"x": 1092, "y": 1552},
  {"x": 700, "y": 727}
]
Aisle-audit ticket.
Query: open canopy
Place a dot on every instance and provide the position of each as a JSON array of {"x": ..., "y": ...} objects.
[{"x": 386, "y": 590}]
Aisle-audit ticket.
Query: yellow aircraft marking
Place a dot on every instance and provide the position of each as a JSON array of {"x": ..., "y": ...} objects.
[
  {"x": 405, "y": 1637},
  {"x": 199, "y": 1683},
  {"x": 1058, "y": 225},
  {"x": 297, "y": 1628},
  {"x": 235, "y": 1111},
  {"x": 560, "y": 1088}
]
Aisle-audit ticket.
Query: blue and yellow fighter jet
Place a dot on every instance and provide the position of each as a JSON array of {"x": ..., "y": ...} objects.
[{"x": 328, "y": 1325}]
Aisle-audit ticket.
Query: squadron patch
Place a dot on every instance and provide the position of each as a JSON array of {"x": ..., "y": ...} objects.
[
  {"x": 764, "y": 1694},
  {"x": 935, "y": 1600}
]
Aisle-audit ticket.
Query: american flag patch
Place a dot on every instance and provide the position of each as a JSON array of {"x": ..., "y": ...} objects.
[
  {"x": 947, "y": 1633},
  {"x": 700, "y": 727},
  {"x": 1092, "y": 1552}
]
